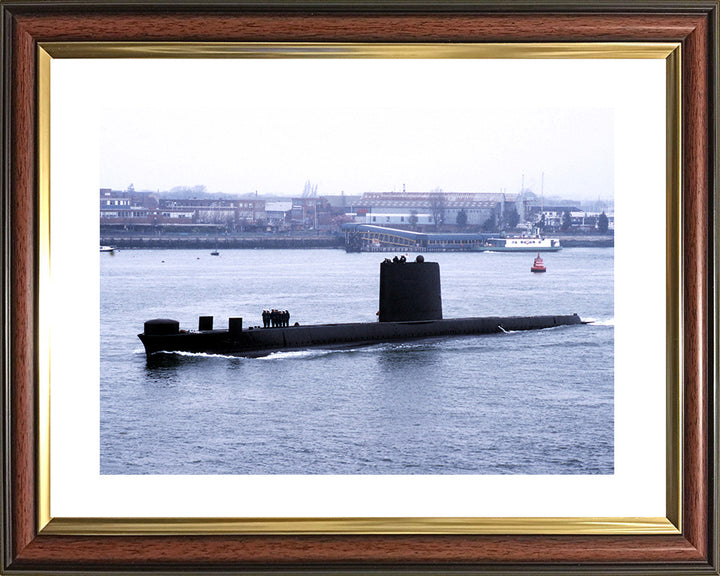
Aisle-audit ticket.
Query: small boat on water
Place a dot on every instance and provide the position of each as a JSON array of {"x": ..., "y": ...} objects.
[
  {"x": 214, "y": 253},
  {"x": 538, "y": 265},
  {"x": 107, "y": 249}
]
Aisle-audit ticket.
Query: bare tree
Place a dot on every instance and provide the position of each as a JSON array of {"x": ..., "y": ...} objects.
[
  {"x": 602, "y": 223},
  {"x": 512, "y": 218},
  {"x": 309, "y": 190},
  {"x": 437, "y": 207},
  {"x": 490, "y": 225},
  {"x": 461, "y": 219},
  {"x": 413, "y": 218}
]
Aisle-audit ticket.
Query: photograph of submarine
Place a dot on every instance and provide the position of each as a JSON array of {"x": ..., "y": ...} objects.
[{"x": 410, "y": 308}]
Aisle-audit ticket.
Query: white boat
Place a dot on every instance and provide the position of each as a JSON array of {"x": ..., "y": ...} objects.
[
  {"x": 519, "y": 244},
  {"x": 107, "y": 249}
]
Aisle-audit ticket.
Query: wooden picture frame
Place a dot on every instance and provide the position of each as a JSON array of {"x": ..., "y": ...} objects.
[{"x": 31, "y": 546}]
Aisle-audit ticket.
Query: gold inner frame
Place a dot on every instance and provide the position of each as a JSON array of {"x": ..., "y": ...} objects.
[{"x": 671, "y": 524}]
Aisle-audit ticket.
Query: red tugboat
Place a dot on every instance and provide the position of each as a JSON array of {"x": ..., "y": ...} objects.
[{"x": 538, "y": 265}]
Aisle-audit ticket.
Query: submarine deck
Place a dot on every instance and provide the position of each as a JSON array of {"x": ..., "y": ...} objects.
[{"x": 258, "y": 340}]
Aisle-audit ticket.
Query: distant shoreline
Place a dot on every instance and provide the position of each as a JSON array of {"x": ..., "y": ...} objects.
[
  {"x": 580, "y": 241},
  {"x": 223, "y": 242},
  {"x": 289, "y": 242}
]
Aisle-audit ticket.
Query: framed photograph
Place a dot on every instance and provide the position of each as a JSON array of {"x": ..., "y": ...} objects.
[{"x": 342, "y": 439}]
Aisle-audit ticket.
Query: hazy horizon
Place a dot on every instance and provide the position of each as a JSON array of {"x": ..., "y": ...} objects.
[
  {"x": 166, "y": 191},
  {"x": 356, "y": 126}
]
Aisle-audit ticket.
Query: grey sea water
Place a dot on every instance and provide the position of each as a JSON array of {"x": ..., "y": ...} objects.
[{"x": 519, "y": 403}]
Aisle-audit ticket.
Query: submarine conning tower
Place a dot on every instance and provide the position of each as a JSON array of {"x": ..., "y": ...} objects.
[{"x": 409, "y": 291}]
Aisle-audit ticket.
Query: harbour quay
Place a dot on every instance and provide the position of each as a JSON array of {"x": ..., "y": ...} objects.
[
  {"x": 441, "y": 242},
  {"x": 370, "y": 238},
  {"x": 170, "y": 241}
]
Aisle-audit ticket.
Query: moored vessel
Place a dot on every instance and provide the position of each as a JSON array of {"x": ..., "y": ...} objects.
[{"x": 519, "y": 244}]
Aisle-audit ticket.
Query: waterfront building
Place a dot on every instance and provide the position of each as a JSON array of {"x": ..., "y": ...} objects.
[
  {"x": 110, "y": 200},
  {"x": 443, "y": 207},
  {"x": 276, "y": 211},
  {"x": 130, "y": 210},
  {"x": 588, "y": 221},
  {"x": 222, "y": 211},
  {"x": 551, "y": 218},
  {"x": 311, "y": 212},
  {"x": 342, "y": 204},
  {"x": 403, "y": 219}
]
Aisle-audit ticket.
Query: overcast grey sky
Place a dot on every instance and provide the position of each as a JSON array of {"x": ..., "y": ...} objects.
[{"x": 355, "y": 126}]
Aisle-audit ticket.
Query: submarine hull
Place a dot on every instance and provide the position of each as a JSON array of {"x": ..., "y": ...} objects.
[{"x": 265, "y": 340}]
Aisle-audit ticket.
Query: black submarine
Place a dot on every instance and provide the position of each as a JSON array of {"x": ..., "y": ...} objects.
[{"x": 410, "y": 308}]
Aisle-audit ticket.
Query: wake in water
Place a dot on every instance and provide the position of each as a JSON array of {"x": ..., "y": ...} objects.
[
  {"x": 301, "y": 354},
  {"x": 323, "y": 352},
  {"x": 448, "y": 343},
  {"x": 280, "y": 355},
  {"x": 599, "y": 322},
  {"x": 192, "y": 354}
]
